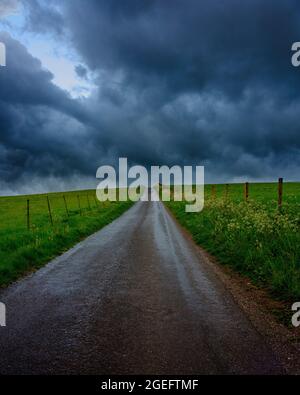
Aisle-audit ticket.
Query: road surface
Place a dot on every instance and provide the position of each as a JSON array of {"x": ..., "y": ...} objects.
[{"x": 134, "y": 298}]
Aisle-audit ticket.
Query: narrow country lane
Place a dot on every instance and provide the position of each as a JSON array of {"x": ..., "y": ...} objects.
[{"x": 135, "y": 298}]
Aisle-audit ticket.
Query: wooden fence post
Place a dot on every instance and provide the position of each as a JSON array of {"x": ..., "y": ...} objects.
[
  {"x": 247, "y": 192},
  {"x": 66, "y": 206},
  {"x": 88, "y": 200},
  {"x": 280, "y": 192},
  {"x": 28, "y": 214},
  {"x": 226, "y": 191},
  {"x": 49, "y": 209},
  {"x": 213, "y": 192},
  {"x": 78, "y": 198}
]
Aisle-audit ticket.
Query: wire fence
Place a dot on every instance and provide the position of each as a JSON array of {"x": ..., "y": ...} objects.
[
  {"x": 247, "y": 192},
  {"x": 274, "y": 195},
  {"x": 21, "y": 212},
  {"x": 39, "y": 210}
]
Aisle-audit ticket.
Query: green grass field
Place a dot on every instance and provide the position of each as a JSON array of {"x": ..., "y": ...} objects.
[
  {"x": 23, "y": 249},
  {"x": 254, "y": 238}
]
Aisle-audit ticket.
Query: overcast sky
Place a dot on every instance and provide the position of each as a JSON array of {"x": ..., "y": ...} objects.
[{"x": 161, "y": 82}]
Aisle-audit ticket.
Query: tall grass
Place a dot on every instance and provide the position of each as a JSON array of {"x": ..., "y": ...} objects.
[{"x": 254, "y": 238}]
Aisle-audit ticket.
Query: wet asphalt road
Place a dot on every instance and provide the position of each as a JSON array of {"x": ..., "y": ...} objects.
[{"x": 135, "y": 298}]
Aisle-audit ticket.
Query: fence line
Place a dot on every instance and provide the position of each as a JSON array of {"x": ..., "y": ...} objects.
[
  {"x": 78, "y": 198},
  {"x": 226, "y": 191},
  {"x": 213, "y": 192},
  {"x": 247, "y": 192},
  {"x": 66, "y": 206},
  {"x": 88, "y": 200},
  {"x": 280, "y": 193},
  {"x": 39, "y": 210},
  {"x": 226, "y": 194},
  {"x": 28, "y": 214},
  {"x": 49, "y": 209}
]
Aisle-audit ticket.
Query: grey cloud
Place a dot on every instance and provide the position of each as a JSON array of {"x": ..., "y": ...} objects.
[
  {"x": 44, "y": 16},
  {"x": 81, "y": 71},
  {"x": 207, "y": 82},
  {"x": 43, "y": 130}
]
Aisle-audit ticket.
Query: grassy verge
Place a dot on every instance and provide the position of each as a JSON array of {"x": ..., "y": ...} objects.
[
  {"x": 23, "y": 250},
  {"x": 253, "y": 238}
]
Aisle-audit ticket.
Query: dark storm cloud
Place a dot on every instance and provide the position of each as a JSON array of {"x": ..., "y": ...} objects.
[
  {"x": 42, "y": 130},
  {"x": 213, "y": 79},
  {"x": 81, "y": 71},
  {"x": 206, "y": 82},
  {"x": 190, "y": 45},
  {"x": 41, "y": 18}
]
